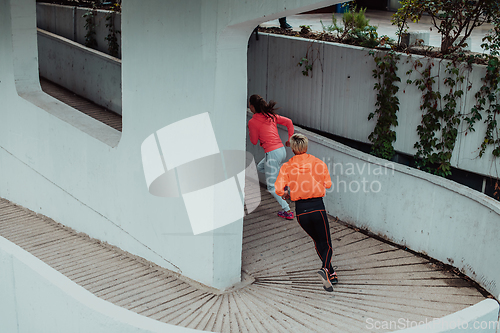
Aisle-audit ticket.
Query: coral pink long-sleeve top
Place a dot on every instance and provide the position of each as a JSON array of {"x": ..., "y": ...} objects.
[{"x": 264, "y": 129}]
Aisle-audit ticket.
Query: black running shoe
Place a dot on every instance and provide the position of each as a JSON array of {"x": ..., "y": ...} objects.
[{"x": 323, "y": 274}]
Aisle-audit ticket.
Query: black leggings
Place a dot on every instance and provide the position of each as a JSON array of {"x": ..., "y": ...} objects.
[{"x": 311, "y": 216}]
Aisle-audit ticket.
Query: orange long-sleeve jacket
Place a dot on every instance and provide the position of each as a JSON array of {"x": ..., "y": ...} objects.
[{"x": 306, "y": 176}]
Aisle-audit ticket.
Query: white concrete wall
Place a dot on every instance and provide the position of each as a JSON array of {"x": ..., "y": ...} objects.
[
  {"x": 36, "y": 298},
  {"x": 57, "y": 19},
  {"x": 86, "y": 72},
  {"x": 180, "y": 59},
  {"x": 426, "y": 213},
  {"x": 68, "y": 22},
  {"x": 338, "y": 95}
]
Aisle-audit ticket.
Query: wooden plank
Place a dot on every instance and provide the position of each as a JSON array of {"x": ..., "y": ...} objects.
[
  {"x": 377, "y": 279},
  {"x": 81, "y": 104}
]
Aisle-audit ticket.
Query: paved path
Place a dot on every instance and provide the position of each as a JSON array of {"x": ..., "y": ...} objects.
[{"x": 282, "y": 293}]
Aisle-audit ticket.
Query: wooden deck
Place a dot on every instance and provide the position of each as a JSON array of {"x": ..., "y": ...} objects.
[
  {"x": 377, "y": 281},
  {"x": 91, "y": 109}
]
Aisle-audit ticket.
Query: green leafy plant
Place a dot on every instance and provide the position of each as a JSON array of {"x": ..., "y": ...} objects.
[
  {"x": 354, "y": 21},
  {"x": 112, "y": 37},
  {"x": 307, "y": 67},
  {"x": 438, "y": 130},
  {"x": 90, "y": 40},
  {"x": 312, "y": 55},
  {"x": 387, "y": 104},
  {"x": 355, "y": 29},
  {"x": 491, "y": 42},
  {"x": 331, "y": 27},
  {"x": 305, "y": 29},
  {"x": 488, "y": 102},
  {"x": 488, "y": 96}
]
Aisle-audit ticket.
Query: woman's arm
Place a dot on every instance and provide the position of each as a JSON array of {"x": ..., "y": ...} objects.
[
  {"x": 288, "y": 123},
  {"x": 253, "y": 132},
  {"x": 281, "y": 181},
  {"x": 327, "y": 181}
]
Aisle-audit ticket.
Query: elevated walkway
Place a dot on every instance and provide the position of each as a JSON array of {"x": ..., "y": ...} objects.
[
  {"x": 280, "y": 291},
  {"x": 83, "y": 105}
]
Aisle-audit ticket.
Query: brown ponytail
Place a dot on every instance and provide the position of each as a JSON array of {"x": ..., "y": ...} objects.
[{"x": 261, "y": 106}]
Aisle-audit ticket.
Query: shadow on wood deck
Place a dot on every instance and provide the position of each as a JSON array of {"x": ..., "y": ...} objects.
[{"x": 377, "y": 281}]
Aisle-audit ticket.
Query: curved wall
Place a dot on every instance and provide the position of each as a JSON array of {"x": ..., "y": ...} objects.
[{"x": 36, "y": 298}]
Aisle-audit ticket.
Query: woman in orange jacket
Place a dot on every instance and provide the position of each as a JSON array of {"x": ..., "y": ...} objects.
[{"x": 304, "y": 179}]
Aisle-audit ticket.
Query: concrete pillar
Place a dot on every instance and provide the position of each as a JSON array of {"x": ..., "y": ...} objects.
[
  {"x": 23, "y": 20},
  {"x": 179, "y": 59},
  {"x": 6, "y": 69}
]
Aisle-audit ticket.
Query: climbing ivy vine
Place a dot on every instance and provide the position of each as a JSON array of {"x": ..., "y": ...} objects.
[
  {"x": 441, "y": 118},
  {"x": 312, "y": 55},
  {"x": 387, "y": 104},
  {"x": 488, "y": 96},
  {"x": 488, "y": 103},
  {"x": 112, "y": 37},
  {"x": 438, "y": 130},
  {"x": 90, "y": 40}
]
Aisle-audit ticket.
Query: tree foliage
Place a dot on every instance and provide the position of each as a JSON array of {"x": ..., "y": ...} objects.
[{"x": 454, "y": 19}]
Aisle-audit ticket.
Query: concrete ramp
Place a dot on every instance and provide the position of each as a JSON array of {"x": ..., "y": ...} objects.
[{"x": 280, "y": 291}]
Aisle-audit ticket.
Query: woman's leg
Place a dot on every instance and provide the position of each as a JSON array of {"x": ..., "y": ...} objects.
[
  {"x": 274, "y": 160},
  {"x": 261, "y": 165},
  {"x": 316, "y": 225}
]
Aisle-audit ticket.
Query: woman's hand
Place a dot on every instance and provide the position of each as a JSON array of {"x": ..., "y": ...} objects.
[
  {"x": 287, "y": 143},
  {"x": 286, "y": 196}
]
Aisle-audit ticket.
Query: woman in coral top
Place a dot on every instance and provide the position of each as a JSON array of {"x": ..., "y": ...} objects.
[
  {"x": 262, "y": 127},
  {"x": 305, "y": 178}
]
